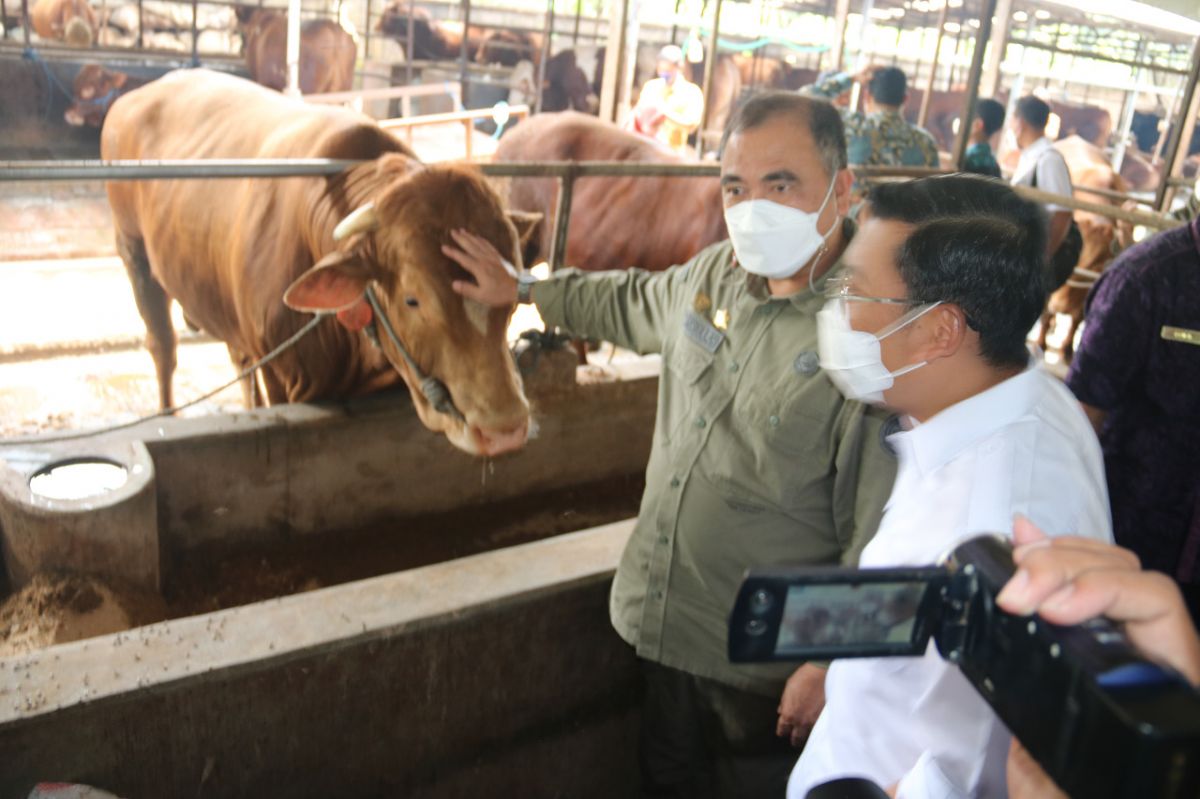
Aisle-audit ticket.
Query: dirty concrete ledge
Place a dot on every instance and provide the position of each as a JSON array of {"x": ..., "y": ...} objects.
[{"x": 493, "y": 675}]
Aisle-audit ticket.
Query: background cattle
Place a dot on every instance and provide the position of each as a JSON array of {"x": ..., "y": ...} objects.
[
  {"x": 232, "y": 251},
  {"x": 70, "y": 21},
  {"x": 433, "y": 40},
  {"x": 96, "y": 89},
  {"x": 652, "y": 223},
  {"x": 327, "y": 51}
]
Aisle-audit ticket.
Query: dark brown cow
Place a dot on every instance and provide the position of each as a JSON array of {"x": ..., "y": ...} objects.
[
  {"x": 433, "y": 40},
  {"x": 508, "y": 47},
  {"x": 724, "y": 93},
  {"x": 768, "y": 72},
  {"x": 565, "y": 87},
  {"x": 96, "y": 89},
  {"x": 232, "y": 252},
  {"x": 327, "y": 51},
  {"x": 70, "y": 21},
  {"x": 616, "y": 223}
]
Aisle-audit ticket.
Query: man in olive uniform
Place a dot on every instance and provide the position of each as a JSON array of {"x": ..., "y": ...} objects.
[{"x": 757, "y": 459}]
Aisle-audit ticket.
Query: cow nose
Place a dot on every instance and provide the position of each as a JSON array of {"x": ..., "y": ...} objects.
[{"x": 497, "y": 442}]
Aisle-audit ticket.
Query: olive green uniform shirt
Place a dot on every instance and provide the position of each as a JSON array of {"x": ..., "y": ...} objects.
[{"x": 757, "y": 459}]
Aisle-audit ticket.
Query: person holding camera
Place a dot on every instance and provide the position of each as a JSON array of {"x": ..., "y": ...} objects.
[
  {"x": 941, "y": 284},
  {"x": 756, "y": 458}
]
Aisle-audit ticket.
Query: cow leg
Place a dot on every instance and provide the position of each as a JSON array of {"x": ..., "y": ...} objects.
[
  {"x": 251, "y": 395},
  {"x": 155, "y": 307}
]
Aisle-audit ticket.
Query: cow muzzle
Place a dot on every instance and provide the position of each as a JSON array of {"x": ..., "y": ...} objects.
[{"x": 492, "y": 442}]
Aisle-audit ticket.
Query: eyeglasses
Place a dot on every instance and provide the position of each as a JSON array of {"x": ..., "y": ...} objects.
[{"x": 838, "y": 288}]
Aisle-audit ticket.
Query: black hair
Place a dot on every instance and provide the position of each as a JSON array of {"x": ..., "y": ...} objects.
[
  {"x": 977, "y": 244},
  {"x": 1033, "y": 111},
  {"x": 889, "y": 86},
  {"x": 991, "y": 114},
  {"x": 823, "y": 121}
]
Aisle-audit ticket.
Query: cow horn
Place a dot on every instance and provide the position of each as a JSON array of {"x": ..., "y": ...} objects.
[{"x": 360, "y": 220}]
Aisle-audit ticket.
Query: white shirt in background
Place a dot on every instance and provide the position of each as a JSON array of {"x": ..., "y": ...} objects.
[
  {"x": 1021, "y": 447},
  {"x": 1053, "y": 175}
]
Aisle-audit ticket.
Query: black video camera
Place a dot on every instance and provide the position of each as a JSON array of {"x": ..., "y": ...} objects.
[{"x": 1100, "y": 719}]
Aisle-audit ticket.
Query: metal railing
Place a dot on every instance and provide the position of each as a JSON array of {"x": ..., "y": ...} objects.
[{"x": 467, "y": 118}]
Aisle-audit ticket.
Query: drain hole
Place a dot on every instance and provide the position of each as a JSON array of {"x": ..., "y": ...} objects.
[{"x": 78, "y": 478}]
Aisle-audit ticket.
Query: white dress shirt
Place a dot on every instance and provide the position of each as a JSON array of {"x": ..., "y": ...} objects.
[
  {"x": 1021, "y": 447},
  {"x": 1053, "y": 175}
]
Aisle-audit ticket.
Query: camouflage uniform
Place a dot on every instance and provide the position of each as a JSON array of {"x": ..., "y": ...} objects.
[{"x": 881, "y": 138}]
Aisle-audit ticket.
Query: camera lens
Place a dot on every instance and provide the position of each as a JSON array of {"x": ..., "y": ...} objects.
[
  {"x": 761, "y": 601},
  {"x": 756, "y": 627}
]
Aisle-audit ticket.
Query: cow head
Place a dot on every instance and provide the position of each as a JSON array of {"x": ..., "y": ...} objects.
[
  {"x": 393, "y": 244},
  {"x": 95, "y": 90}
]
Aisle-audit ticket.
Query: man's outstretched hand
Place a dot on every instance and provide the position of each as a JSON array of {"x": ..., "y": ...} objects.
[{"x": 495, "y": 278}]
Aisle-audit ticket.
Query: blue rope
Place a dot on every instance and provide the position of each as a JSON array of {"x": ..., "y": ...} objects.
[{"x": 51, "y": 79}]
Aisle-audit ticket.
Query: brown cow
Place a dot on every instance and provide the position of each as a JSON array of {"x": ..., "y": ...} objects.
[
  {"x": 70, "y": 21},
  {"x": 769, "y": 72},
  {"x": 232, "y": 252},
  {"x": 616, "y": 223},
  {"x": 96, "y": 89},
  {"x": 724, "y": 93},
  {"x": 327, "y": 51},
  {"x": 433, "y": 40},
  {"x": 1089, "y": 168},
  {"x": 508, "y": 47}
]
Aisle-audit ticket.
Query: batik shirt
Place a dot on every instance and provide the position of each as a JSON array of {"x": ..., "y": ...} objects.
[{"x": 880, "y": 138}]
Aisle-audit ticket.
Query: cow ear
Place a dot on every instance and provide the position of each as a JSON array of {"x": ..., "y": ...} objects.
[
  {"x": 335, "y": 283},
  {"x": 527, "y": 224}
]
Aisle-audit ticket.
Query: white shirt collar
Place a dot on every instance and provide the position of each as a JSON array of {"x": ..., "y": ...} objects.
[
  {"x": 943, "y": 437},
  {"x": 1029, "y": 158}
]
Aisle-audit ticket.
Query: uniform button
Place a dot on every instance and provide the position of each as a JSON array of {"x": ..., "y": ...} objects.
[
  {"x": 662, "y": 539},
  {"x": 733, "y": 367},
  {"x": 700, "y": 422},
  {"x": 658, "y": 594},
  {"x": 645, "y": 567},
  {"x": 674, "y": 482},
  {"x": 774, "y": 420}
]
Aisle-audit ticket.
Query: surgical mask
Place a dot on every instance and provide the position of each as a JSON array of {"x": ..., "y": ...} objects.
[
  {"x": 775, "y": 241},
  {"x": 852, "y": 358}
]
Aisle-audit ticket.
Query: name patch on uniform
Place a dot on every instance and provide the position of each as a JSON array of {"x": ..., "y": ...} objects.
[
  {"x": 701, "y": 331},
  {"x": 1181, "y": 334}
]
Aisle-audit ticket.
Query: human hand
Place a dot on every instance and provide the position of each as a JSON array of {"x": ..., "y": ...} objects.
[
  {"x": 802, "y": 701},
  {"x": 495, "y": 278},
  {"x": 1069, "y": 580},
  {"x": 1026, "y": 779},
  {"x": 865, "y": 75}
]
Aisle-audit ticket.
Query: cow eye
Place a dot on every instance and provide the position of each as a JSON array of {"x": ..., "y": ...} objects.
[{"x": 411, "y": 302}]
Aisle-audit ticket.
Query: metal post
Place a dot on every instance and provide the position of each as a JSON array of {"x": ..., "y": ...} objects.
[
  {"x": 547, "y": 35},
  {"x": 562, "y": 218},
  {"x": 293, "y": 49},
  {"x": 1128, "y": 111},
  {"x": 578, "y": 14},
  {"x": 367, "y": 34},
  {"x": 141, "y": 27},
  {"x": 468, "y": 129},
  {"x": 614, "y": 57},
  {"x": 923, "y": 114},
  {"x": 1181, "y": 134},
  {"x": 841, "y": 15},
  {"x": 25, "y": 23},
  {"x": 4, "y": 16},
  {"x": 462, "y": 53},
  {"x": 710, "y": 69},
  {"x": 410, "y": 46},
  {"x": 981, "y": 38},
  {"x": 195, "y": 35},
  {"x": 990, "y": 81}
]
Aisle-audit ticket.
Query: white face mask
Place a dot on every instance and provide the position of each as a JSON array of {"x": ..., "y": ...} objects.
[
  {"x": 775, "y": 241},
  {"x": 852, "y": 358}
]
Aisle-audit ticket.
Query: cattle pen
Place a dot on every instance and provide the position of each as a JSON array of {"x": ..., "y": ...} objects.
[{"x": 328, "y": 599}]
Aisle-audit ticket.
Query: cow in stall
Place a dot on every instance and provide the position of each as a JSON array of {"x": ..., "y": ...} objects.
[
  {"x": 327, "y": 51},
  {"x": 768, "y": 72},
  {"x": 249, "y": 259},
  {"x": 70, "y": 21},
  {"x": 724, "y": 92},
  {"x": 433, "y": 40},
  {"x": 508, "y": 47},
  {"x": 1089, "y": 169},
  {"x": 96, "y": 88},
  {"x": 674, "y": 218}
]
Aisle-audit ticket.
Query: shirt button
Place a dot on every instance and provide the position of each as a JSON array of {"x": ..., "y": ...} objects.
[
  {"x": 774, "y": 420},
  {"x": 674, "y": 482},
  {"x": 700, "y": 422},
  {"x": 733, "y": 367},
  {"x": 658, "y": 594},
  {"x": 662, "y": 539},
  {"x": 646, "y": 566}
]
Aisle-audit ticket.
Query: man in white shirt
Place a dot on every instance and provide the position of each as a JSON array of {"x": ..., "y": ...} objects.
[
  {"x": 1043, "y": 167},
  {"x": 930, "y": 320}
]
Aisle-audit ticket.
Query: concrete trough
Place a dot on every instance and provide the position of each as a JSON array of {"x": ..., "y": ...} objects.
[
  {"x": 496, "y": 674},
  {"x": 493, "y": 675}
]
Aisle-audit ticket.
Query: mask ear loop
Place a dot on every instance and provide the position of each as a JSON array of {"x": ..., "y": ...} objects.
[{"x": 812, "y": 268}]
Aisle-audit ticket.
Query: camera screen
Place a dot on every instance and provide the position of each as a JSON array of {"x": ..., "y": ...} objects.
[{"x": 847, "y": 614}]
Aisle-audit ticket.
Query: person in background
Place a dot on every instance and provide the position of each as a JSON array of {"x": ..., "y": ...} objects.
[
  {"x": 1137, "y": 373},
  {"x": 669, "y": 106},
  {"x": 942, "y": 283},
  {"x": 1043, "y": 167},
  {"x": 979, "y": 158},
  {"x": 756, "y": 458},
  {"x": 879, "y": 135}
]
